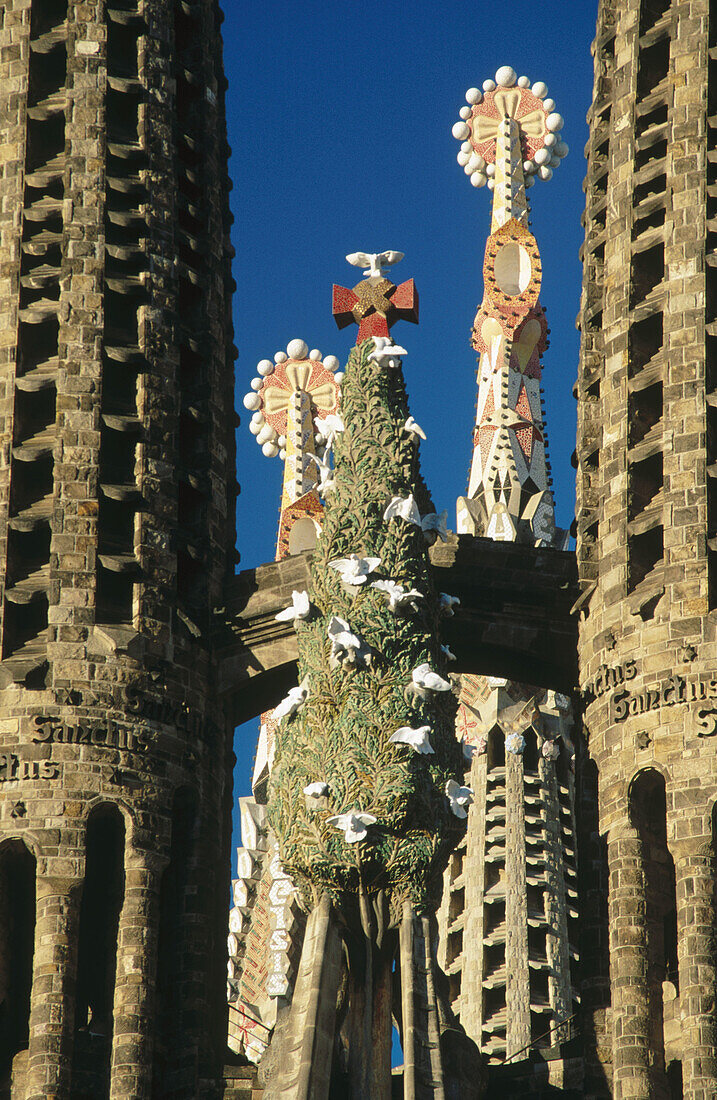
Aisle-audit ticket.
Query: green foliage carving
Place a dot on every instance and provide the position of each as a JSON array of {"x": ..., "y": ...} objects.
[{"x": 341, "y": 733}]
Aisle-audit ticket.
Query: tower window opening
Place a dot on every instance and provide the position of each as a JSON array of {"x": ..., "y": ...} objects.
[
  {"x": 656, "y": 185},
  {"x": 651, "y": 11},
  {"x": 175, "y": 952},
  {"x": 496, "y": 749},
  {"x": 653, "y": 66},
  {"x": 115, "y": 597},
  {"x": 646, "y": 272},
  {"x": 644, "y": 342},
  {"x": 648, "y": 814},
  {"x": 100, "y": 909},
  {"x": 24, "y": 624},
  {"x": 530, "y": 752},
  {"x": 17, "y": 947},
  {"x": 644, "y": 481}
]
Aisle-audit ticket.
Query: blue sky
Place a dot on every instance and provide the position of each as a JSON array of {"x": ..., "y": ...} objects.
[{"x": 340, "y": 121}]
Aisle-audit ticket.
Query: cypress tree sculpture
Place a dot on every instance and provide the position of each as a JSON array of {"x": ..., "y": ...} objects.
[{"x": 363, "y": 795}]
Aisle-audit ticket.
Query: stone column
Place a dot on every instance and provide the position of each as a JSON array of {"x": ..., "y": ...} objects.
[
  {"x": 52, "y": 1009},
  {"x": 132, "y": 1043},
  {"x": 628, "y": 965},
  {"x": 694, "y": 874}
]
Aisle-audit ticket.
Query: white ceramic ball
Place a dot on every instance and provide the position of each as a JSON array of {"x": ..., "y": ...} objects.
[
  {"x": 460, "y": 130},
  {"x": 540, "y": 89},
  {"x": 523, "y": 82},
  {"x": 297, "y": 349},
  {"x": 254, "y": 428},
  {"x": 265, "y": 433},
  {"x": 265, "y": 367},
  {"x": 550, "y": 139},
  {"x": 528, "y": 167},
  {"x": 479, "y": 179},
  {"x": 562, "y": 149},
  {"x": 465, "y": 113},
  {"x": 542, "y": 156},
  {"x": 282, "y": 453},
  {"x": 474, "y": 95},
  {"x": 466, "y": 147},
  {"x": 554, "y": 162},
  {"x": 530, "y": 181},
  {"x": 488, "y": 85},
  {"x": 252, "y": 401},
  {"x": 331, "y": 362},
  {"x": 491, "y": 185},
  {"x": 270, "y": 450},
  {"x": 281, "y": 441},
  {"x": 258, "y": 418},
  {"x": 468, "y": 168},
  {"x": 463, "y": 159},
  {"x": 280, "y": 357},
  {"x": 315, "y": 354},
  {"x": 477, "y": 162},
  {"x": 256, "y": 383},
  {"x": 506, "y": 76},
  {"x": 339, "y": 376},
  {"x": 555, "y": 122},
  {"x": 545, "y": 173},
  {"x": 549, "y": 105},
  {"x": 490, "y": 170}
]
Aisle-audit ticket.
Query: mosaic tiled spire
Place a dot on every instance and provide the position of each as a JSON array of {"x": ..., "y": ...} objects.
[
  {"x": 509, "y": 134},
  {"x": 292, "y": 399},
  {"x": 507, "y": 921}
]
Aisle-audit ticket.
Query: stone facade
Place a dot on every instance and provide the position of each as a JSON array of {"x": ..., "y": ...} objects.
[
  {"x": 646, "y": 554},
  {"x": 116, "y": 519}
]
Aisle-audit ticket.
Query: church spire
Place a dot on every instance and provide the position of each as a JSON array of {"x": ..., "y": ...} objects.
[{"x": 510, "y": 137}]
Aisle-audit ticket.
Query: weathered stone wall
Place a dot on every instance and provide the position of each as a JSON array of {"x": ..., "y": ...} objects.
[
  {"x": 116, "y": 515},
  {"x": 648, "y": 661}
]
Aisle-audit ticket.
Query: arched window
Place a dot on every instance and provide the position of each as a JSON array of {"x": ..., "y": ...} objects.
[
  {"x": 648, "y": 814},
  {"x": 496, "y": 749},
  {"x": 17, "y": 945},
  {"x": 172, "y": 1049},
  {"x": 530, "y": 752},
  {"x": 102, "y": 900}
]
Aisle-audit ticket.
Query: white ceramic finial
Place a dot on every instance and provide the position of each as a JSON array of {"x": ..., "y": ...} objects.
[{"x": 297, "y": 349}]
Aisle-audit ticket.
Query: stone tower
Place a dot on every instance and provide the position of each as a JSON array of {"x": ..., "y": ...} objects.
[
  {"x": 116, "y": 518},
  {"x": 646, "y": 531},
  {"x": 508, "y": 919}
]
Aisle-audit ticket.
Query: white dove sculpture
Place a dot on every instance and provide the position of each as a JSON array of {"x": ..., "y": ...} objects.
[
  {"x": 347, "y": 648},
  {"x": 288, "y": 706},
  {"x": 353, "y": 825},
  {"x": 329, "y": 427},
  {"x": 300, "y": 608},
  {"x": 434, "y": 523},
  {"x": 459, "y": 797},
  {"x": 448, "y": 653},
  {"x": 317, "y": 789},
  {"x": 403, "y": 508},
  {"x": 399, "y": 600},
  {"x": 413, "y": 428},
  {"x": 354, "y": 569},
  {"x": 387, "y": 352},
  {"x": 326, "y": 475},
  {"x": 424, "y": 677},
  {"x": 447, "y": 603},
  {"x": 374, "y": 262},
  {"x": 418, "y": 739}
]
